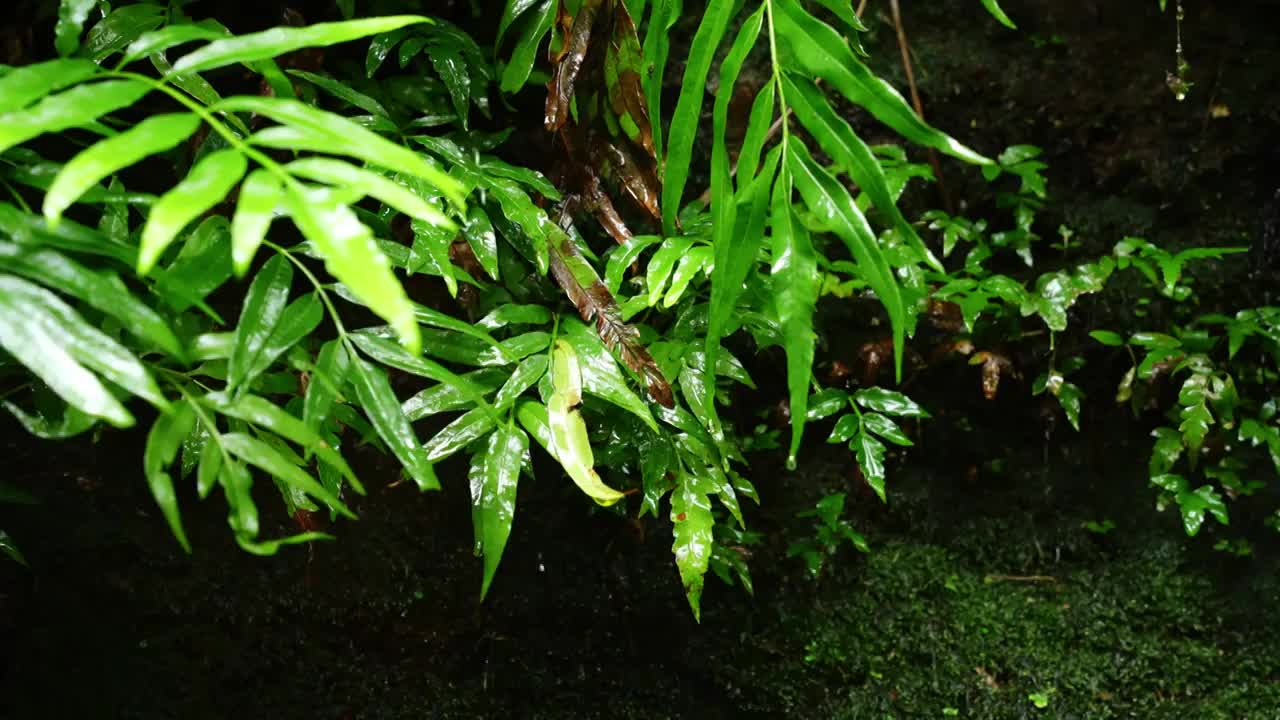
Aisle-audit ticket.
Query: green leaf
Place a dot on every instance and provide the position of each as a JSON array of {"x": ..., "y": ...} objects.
[
  {"x": 343, "y": 92},
  {"x": 824, "y": 404},
  {"x": 685, "y": 121},
  {"x": 271, "y": 547},
  {"x": 69, "y": 423},
  {"x": 445, "y": 397},
  {"x": 870, "y": 455},
  {"x": 480, "y": 235},
  {"x": 315, "y": 129},
  {"x": 374, "y": 392},
  {"x": 277, "y": 41},
  {"x": 821, "y": 52},
  {"x": 569, "y": 443},
  {"x": 599, "y": 372},
  {"x": 851, "y": 154},
  {"x": 103, "y": 291},
  {"x": 205, "y": 186},
  {"x": 517, "y": 69},
  {"x": 1194, "y": 504},
  {"x": 121, "y": 27},
  {"x": 885, "y": 428},
  {"x": 263, "y": 306},
  {"x": 493, "y": 496},
  {"x": 333, "y": 366},
  {"x": 464, "y": 430},
  {"x": 449, "y": 65},
  {"x": 157, "y": 41},
  {"x": 260, "y": 194},
  {"x": 163, "y": 441},
  {"x": 71, "y": 17},
  {"x": 26, "y": 84},
  {"x": 889, "y": 402},
  {"x": 621, "y": 259},
  {"x": 352, "y": 257},
  {"x": 993, "y": 7},
  {"x": 831, "y": 203},
  {"x": 155, "y": 134},
  {"x": 1108, "y": 337},
  {"x": 692, "y": 524},
  {"x": 344, "y": 175},
  {"x": 8, "y": 547},
  {"x": 28, "y": 229},
  {"x": 1069, "y": 396},
  {"x": 795, "y": 295},
  {"x": 388, "y": 353},
  {"x": 1166, "y": 451},
  {"x": 267, "y": 458},
  {"x": 47, "y": 320},
  {"x": 78, "y": 106}
]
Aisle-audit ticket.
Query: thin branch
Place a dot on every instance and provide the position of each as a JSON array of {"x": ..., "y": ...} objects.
[{"x": 905, "y": 49}]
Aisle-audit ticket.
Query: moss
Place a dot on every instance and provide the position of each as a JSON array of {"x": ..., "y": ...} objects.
[{"x": 922, "y": 633}]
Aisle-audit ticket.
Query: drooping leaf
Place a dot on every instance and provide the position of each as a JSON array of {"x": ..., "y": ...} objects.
[
  {"x": 333, "y": 365},
  {"x": 78, "y": 106},
  {"x": 595, "y": 303},
  {"x": 373, "y": 390},
  {"x": 600, "y": 374},
  {"x": 870, "y": 455},
  {"x": 830, "y": 201},
  {"x": 163, "y": 441},
  {"x": 684, "y": 123},
  {"x": 104, "y": 292},
  {"x": 821, "y": 52},
  {"x": 352, "y": 256},
  {"x": 71, "y": 17},
  {"x": 493, "y": 496},
  {"x": 267, "y": 458},
  {"x": 171, "y": 36},
  {"x": 569, "y": 442},
  {"x": 260, "y": 195},
  {"x": 205, "y": 186},
  {"x": 795, "y": 272},
  {"x": 517, "y": 69},
  {"x": 993, "y": 7},
  {"x": 692, "y": 524}
]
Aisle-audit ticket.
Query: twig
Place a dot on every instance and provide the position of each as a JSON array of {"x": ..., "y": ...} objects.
[{"x": 915, "y": 100}]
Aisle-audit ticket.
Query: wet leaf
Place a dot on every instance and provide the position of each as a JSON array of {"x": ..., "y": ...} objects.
[
  {"x": 373, "y": 390},
  {"x": 163, "y": 440},
  {"x": 205, "y": 186},
  {"x": 493, "y": 496},
  {"x": 885, "y": 428},
  {"x": 569, "y": 443},
  {"x": 267, "y": 458},
  {"x": 78, "y": 106},
  {"x": 692, "y": 526},
  {"x": 261, "y": 312},
  {"x": 889, "y": 402},
  {"x": 28, "y": 83},
  {"x": 277, "y": 41},
  {"x": 870, "y": 455},
  {"x": 260, "y": 195},
  {"x": 795, "y": 271}
]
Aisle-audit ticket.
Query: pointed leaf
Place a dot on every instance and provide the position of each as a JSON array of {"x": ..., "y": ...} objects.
[
  {"x": 26, "y": 84},
  {"x": 569, "y": 442},
  {"x": 692, "y": 524},
  {"x": 260, "y": 195},
  {"x": 155, "y": 134},
  {"x": 374, "y": 392},
  {"x": 78, "y": 106},
  {"x": 267, "y": 458},
  {"x": 205, "y": 186},
  {"x": 494, "y": 496},
  {"x": 263, "y": 306}
]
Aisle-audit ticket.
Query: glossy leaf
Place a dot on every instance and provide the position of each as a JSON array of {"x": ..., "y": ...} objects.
[
  {"x": 71, "y": 17},
  {"x": 267, "y": 458},
  {"x": 569, "y": 443},
  {"x": 821, "y": 52},
  {"x": 692, "y": 524},
  {"x": 344, "y": 175},
  {"x": 78, "y": 106},
  {"x": 333, "y": 365},
  {"x": 277, "y": 41},
  {"x": 889, "y": 402},
  {"x": 171, "y": 36},
  {"x": 260, "y": 195},
  {"x": 205, "y": 186},
  {"x": 795, "y": 273},
  {"x": 870, "y": 455},
  {"x": 163, "y": 441},
  {"x": 354, "y": 259},
  {"x": 830, "y": 202},
  {"x": 493, "y": 496},
  {"x": 263, "y": 306},
  {"x": 685, "y": 121},
  {"x": 155, "y": 134},
  {"x": 993, "y": 7},
  {"x": 517, "y": 69},
  {"x": 104, "y": 292},
  {"x": 373, "y": 390}
]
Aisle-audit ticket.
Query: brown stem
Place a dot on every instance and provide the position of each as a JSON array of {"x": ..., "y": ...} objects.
[{"x": 905, "y": 49}]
